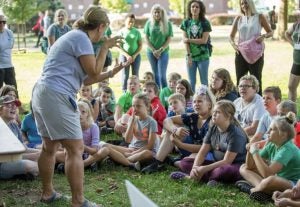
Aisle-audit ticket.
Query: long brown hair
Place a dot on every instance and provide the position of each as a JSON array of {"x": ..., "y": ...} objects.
[{"x": 202, "y": 9}]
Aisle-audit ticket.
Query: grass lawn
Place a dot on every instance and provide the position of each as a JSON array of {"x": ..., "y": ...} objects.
[{"x": 106, "y": 186}]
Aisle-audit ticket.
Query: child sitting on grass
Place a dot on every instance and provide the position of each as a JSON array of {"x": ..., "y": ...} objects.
[
  {"x": 86, "y": 92},
  {"x": 105, "y": 117},
  {"x": 184, "y": 87},
  {"x": 125, "y": 102},
  {"x": 29, "y": 131},
  {"x": 26, "y": 166},
  {"x": 169, "y": 90},
  {"x": 140, "y": 134},
  {"x": 277, "y": 164},
  {"x": 290, "y": 197},
  {"x": 91, "y": 137}
]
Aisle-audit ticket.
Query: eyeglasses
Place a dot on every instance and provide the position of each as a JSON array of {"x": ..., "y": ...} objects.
[
  {"x": 2, "y": 22},
  {"x": 245, "y": 86}
]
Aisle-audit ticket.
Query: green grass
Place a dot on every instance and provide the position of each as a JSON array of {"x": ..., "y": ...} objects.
[{"x": 106, "y": 186}]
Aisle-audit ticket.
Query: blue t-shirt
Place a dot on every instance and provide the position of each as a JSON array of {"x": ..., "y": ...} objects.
[
  {"x": 29, "y": 127},
  {"x": 16, "y": 130},
  {"x": 62, "y": 70}
]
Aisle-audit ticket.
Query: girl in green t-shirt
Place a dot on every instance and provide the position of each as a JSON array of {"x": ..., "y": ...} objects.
[
  {"x": 277, "y": 165},
  {"x": 158, "y": 31}
]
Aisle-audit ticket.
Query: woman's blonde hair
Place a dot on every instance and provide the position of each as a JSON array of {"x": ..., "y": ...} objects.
[
  {"x": 163, "y": 23},
  {"x": 92, "y": 18},
  {"x": 228, "y": 85},
  {"x": 88, "y": 107},
  {"x": 251, "y": 7},
  {"x": 285, "y": 124},
  {"x": 59, "y": 12}
]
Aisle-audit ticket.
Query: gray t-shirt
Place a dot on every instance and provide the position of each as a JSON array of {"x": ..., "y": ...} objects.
[
  {"x": 141, "y": 134},
  {"x": 232, "y": 140},
  {"x": 62, "y": 71},
  {"x": 16, "y": 130},
  {"x": 57, "y": 31},
  {"x": 6, "y": 45},
  {"x": 264, "y": 124}
]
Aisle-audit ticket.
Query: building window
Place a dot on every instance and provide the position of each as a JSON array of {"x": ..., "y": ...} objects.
[
  {"x": 70, "y": 6},
  {"x": 73, "y": 16},
  {"x": 145, "y": 4},
  {"x": 80, "y": 7},
  {"x": 136, "y": 6}
]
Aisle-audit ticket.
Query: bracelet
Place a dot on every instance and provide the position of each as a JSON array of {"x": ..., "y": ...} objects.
[{"x": 254, "y": 151}]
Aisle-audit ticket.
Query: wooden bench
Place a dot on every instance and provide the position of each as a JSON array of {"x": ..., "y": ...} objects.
[{"x": 11, "y": 148}]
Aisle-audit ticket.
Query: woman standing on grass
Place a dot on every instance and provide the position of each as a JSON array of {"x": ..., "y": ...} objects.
[
  {"x": 293, "y": 37},
  {"x": 59, "y": 27},
  {"x": 249, "y": 25},
  {"x": 70, "y": 63},
  {"x": 196, "y": 31},
  {"x": 158, "y": 31}
]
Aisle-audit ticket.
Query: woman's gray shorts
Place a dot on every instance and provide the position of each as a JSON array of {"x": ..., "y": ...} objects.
[{"x": 57, "y": 116}]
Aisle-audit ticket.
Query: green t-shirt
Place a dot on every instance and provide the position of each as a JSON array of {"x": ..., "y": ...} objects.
[
  {"x": 288, "y": 155},
  {"x": 125, "y": 101},
  {"x": 164, "y": 95},
  {"x": 156, "y": 37},
  {"x": 132, "y": 37},
  {"x": 296, "y": 40},
  {"x": 194, "y": 30},
  {"x": 97, "y": 45}
]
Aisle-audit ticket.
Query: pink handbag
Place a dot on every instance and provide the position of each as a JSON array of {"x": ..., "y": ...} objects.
[{"x": 251, "y": 50}]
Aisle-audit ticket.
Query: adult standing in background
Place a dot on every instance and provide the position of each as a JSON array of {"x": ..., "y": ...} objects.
[
  {"x": 39, "y": 28},
  {"x": 130, "y": 49},
  {"x": 59, "y": 27},
  {"x": 293, "y": 37},
  {"x": 272, "y": 18},
  {"x": 196, "y": 29},
  {"x": 249, "y": 25},
  {"x": 7, "y": 70},
  {"x": 158, "y": 32},
  {"x": 47, "y": 21},
  {"x": 70, "y": 63}
]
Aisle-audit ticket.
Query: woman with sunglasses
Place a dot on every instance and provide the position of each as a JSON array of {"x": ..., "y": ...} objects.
[{"x": 7, "y": 70}]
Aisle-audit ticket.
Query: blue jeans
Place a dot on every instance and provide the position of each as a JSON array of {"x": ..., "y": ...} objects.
[
  {"x": 159, "y": 67},
  {"x": 135, "y": 66},
  {"x": 203, "y": 72}
]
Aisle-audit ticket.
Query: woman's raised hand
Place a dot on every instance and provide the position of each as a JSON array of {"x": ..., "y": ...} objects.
[{"x": 113, "y": 42}]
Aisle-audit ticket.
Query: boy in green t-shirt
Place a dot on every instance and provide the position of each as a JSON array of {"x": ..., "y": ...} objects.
[
  {"x": 125, "y": 102},
  {"x": 169, "y": 90}
]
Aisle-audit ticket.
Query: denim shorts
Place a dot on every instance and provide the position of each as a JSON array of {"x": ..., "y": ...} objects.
[{"x": 57, "y": 115}]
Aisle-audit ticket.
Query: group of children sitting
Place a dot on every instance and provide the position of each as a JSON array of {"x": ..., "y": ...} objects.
[{"x": 220, "y": 137}]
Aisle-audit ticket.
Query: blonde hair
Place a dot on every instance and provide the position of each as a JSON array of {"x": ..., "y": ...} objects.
[
  {"x": 285, "y": 124},
  {"x": 203, "y": 90},
  {"x": 135, "y": 78},
  {"x": 253, "y": 79},
  {"x": 251, "y": 7},
  {"x": 91, "y": 19},
  {"x": 88, "y": 107},
  {"x": 177, "y": 96},
  {"x": 63, "y": 12},
  {"x": 163, "y": 23},
  {"x": 174, "y": 76}
]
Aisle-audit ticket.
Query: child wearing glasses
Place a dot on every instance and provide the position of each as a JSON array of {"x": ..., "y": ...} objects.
[{"x": 249, "y": 106}]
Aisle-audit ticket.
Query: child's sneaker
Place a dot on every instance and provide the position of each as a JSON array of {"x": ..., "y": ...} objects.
[
  {"x": 61, "y": 168},
  {"x": 244, "y": 186},
  {"x": 261, "y": 196},
  {"x": 178, "y": 175},
  {"x": 212, "y": 183}
]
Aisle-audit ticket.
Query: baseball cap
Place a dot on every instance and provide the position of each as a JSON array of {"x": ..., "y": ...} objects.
[{"x": 9, "y": 99}]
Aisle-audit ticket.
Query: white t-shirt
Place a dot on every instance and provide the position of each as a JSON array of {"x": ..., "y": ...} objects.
[{"x": 246, "y": 114}]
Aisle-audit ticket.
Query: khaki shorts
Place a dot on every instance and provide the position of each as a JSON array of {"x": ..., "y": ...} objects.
[{"x": 57, "y": 116}]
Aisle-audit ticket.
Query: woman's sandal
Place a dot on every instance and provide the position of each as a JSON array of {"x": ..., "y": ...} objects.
[{"x": 54, "y": 197}]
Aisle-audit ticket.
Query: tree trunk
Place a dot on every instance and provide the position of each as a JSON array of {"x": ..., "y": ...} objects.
[
  {"x": 18, "y": 36},
  {"x": 282, "y": 19}
]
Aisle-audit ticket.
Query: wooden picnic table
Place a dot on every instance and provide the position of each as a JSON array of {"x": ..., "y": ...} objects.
[{"x": 11, "y": 148}]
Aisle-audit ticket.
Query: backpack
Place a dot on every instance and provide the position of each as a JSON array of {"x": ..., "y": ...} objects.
[{"x": 208, "y": 44}]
